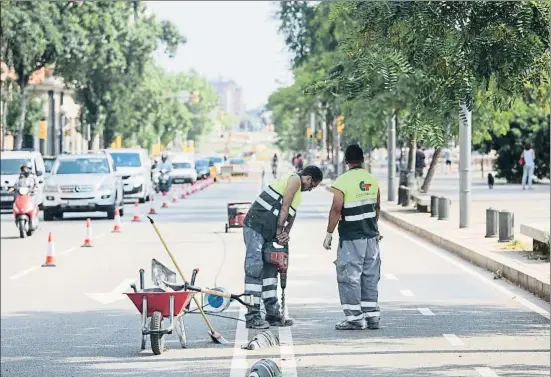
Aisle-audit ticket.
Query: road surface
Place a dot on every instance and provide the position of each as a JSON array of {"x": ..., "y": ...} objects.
[{"x": 440, "y": 315}]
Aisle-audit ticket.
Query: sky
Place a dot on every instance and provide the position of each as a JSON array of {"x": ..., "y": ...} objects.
[{"x": 235, "y": 40}]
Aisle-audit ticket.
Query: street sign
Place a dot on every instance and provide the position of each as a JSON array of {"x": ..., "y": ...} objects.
[{"x": 43, "y": 130}]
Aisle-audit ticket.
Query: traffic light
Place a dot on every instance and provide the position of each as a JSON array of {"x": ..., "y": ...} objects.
[{"x": 340, "y": 124}]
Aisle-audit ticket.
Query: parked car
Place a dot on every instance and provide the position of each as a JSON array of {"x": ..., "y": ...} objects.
[
  {"x": 218, "y": 161},
  {"x": 10, "y": 168},
  {"x": 134, "y": 167},
  {"x": 239, "y": 166},
  {"x": 48, "y": 163},
  {"x": 83, "y": 183},
  {"x": 202, "y": 168},
  {"x": 183, "y": 171}
]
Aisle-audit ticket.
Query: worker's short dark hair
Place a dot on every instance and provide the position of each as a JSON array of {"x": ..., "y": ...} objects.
[
  {"x": 314, "y": 172},
  {"x": 354, "y": 154}
]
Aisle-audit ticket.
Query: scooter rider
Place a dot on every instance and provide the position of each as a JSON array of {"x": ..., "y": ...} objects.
[
  {"x": 26, "y": 178},
  {"x": 264, "y": 223},
  {"x": 166, "y": 165},
  {"x": 356, "y": 206}
]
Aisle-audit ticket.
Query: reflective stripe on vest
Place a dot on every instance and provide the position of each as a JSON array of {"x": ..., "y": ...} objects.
[
  {"x": 358, "y": 215},
  {"x": 263, "y": 214}
]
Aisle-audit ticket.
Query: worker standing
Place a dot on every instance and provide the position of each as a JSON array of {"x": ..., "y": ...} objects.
[
  {"x": 271, "y": 218},
  {"x": 356, "y": 205}
]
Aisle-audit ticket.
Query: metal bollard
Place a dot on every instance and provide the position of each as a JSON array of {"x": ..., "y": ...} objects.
[
  {"x": 400, "y": 195},
  {"x": 433, "y": 206},
  {"x": 443, "y": 208},
  {"x": 491, "y": 222},
  {"x": 506, "y": 224},
  {"x": 406, "y": 197}
]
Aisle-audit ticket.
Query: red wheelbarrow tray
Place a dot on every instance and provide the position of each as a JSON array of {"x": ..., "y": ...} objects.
[{"x": 160, "y": 301}]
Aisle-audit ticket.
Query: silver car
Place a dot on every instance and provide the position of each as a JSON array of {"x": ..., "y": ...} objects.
[{"x": 83, "y": 183}]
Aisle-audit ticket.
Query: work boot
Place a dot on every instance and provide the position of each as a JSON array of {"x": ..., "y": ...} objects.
[
  {"x": 355, "y": 325},
  {"x": 277, "y": 320},
  {"x": 373, "y": 323},
  {"x": 257, "y": 324}
]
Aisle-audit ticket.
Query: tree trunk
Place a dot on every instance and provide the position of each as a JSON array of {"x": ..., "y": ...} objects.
[
  {"x": 432, "y": 169},
  {"x": 21, "y": 127},
  {"x": 411, "y": 153}
]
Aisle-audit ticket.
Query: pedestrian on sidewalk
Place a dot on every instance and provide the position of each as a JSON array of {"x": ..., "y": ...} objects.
[
  {"x": 527, "y": 160},
  {"x": 270, "y": 218},
  {"x": 356, "y": 205}
]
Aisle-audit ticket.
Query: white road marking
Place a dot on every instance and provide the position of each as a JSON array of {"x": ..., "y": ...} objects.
[
  {"x": 453, "y": 339},
  {"x": 425, "y": 311},
  {"x": 114, "y": 295},
  {"x": 470, "y": 270},
  {"x": 391, "y": 277},
  {"x": 287, "y": 353},
  {"x": 407, "y": 293},
  {"x": 24, "y": 272},
  {"x": 65, "y": 252},
  {"x": 486, "y": 372},
  {"x": 239, "y": 361}
]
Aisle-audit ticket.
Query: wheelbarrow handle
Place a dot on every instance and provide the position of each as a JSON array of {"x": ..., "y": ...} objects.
[{"x": 223, "y": 294}]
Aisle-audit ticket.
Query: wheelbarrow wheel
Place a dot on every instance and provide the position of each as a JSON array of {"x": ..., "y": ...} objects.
[
  {"x": 157, "y": 339},
  {"x": 227, "y": 228},
  {"x": 181, "y": 331}
]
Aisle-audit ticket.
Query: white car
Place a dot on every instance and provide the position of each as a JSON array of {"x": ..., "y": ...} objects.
[
  {"x": 83, "y": 183},
  {"x": 134, "y": 167},
  {"x": 239, "y": 166},
  {"x": 10, "y": 168},
  {"x": 183, "y": 172}
]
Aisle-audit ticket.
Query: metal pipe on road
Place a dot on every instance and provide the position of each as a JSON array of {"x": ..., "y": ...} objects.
[
  {"x": 465, "y": 178},
  {"x": 491, "y": 222},
  {"x": 391, "y": 147}
]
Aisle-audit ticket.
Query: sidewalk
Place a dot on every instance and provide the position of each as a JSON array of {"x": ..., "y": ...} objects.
[{"x": 514, "y": 261}]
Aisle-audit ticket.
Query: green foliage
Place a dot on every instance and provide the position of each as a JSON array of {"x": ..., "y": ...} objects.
[{"x": 34, "y": 113}]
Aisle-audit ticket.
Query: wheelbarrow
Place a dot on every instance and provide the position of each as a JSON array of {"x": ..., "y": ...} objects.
[
  {"x": 236, "y": 214},
  {"x": 169, "y": 301}
]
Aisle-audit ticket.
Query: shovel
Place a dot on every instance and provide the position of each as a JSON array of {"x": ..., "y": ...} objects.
[{"x": 214, "y": 335}]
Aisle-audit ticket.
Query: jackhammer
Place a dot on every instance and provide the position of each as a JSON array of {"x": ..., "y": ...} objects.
[{"x": 279, "y": 256}]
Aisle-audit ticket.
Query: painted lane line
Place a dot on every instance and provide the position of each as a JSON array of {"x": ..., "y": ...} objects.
[
  {"x": 471, "y": 271},
  {"x": 115, "y": 295},
  {"x": 239, "y": 360},
  {"x": 425, "y": 311},
  {"x": 407, "y": 293},
  {"x": 391, "y": 277},
  {"x": 453, "y": 339},
  {"x": 287, "y": 353},
  {"x": 24, "y": 272},
  {"x": 486, "y": 372},
  {"x": 65, "y": 252}
]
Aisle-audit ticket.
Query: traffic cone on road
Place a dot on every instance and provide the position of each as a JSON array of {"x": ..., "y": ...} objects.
[
  {"x": 118, "y": 227},
  {"x": 183, "y": 194},
  {"x": 136, "y": 217},
  {"x": 174, "y": 196},
  {"x": 152, "y": 206},
  {"x": 50, "y": 253},
  {"x": 88, "y": 239}
]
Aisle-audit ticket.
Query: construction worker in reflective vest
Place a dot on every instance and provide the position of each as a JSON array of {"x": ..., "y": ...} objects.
[
  {"x": 270, "y": 218},
  {"x": 356, "y": 205}
]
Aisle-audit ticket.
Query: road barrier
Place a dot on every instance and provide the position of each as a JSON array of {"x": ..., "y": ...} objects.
[
  {"x": 506, "y": 224},
  {"x": 491, "y": 222}
]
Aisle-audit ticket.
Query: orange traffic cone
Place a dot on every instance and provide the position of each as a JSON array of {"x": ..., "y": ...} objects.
[
  {"x": 118, "y": 227},
  {"x": 174, "y": 199},
  {"x": 183, "y": 194},
  {"x": 88, "y": 239},
  {"x": 152, "y": 207},
  {"x": 136, "y": 217},
  {"x": 50, "y": 253}
]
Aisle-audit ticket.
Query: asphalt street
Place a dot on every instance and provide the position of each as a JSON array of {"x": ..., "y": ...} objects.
[{"x": 440, "y": 315}]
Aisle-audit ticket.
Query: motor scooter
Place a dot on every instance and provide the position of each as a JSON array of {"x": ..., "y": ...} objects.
[
  {"x": 164, "y": 185},
  {"x": 155, "y": 179},
  {"x": 25, "y": 212}
]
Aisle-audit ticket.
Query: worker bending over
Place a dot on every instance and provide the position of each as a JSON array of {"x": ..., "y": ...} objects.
[
  {"x": 356, "y": 205},
  {"x": 270, "y": 218}
]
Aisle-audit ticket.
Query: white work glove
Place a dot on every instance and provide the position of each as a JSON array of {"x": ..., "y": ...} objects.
[{"x": 327, "y": 241}]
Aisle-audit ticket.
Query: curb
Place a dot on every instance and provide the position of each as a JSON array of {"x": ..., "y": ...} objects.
[{"x": 519, "y": 278}]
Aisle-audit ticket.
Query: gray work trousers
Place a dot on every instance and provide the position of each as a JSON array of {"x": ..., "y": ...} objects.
[
  {"x": 260, "y": 276},
  {"x": 358, "y": 273}
]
